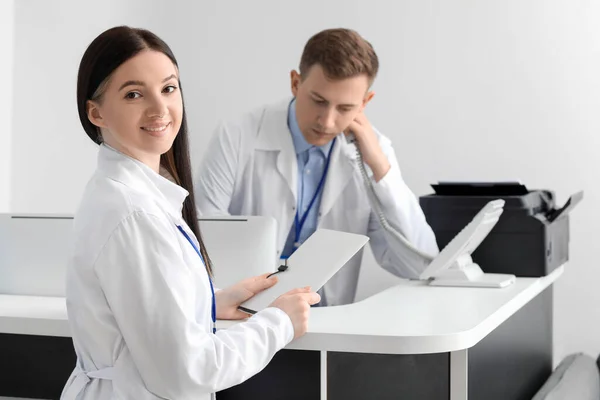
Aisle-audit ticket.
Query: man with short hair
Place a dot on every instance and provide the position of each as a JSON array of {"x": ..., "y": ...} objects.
[{"x": 292, "y": 160}]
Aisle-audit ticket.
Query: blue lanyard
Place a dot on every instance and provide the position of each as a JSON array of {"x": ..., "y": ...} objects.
[
  {"x": 299, "y": 222},
  {"x": 212, "y": 290}
]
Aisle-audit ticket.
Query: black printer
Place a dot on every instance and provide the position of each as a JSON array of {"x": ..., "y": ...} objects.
[{"x": 531, "y": 238}]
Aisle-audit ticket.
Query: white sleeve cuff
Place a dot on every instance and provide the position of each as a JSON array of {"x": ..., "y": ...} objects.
[{"x": 280, "y": 320}]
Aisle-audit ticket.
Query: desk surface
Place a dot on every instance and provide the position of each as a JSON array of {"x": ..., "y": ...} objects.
[{"x": 410, "y": 318}]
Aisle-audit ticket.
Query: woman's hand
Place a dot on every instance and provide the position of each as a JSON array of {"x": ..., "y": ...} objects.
[
  {"x": 296, "y": 304},
  {"x": 228, "y": 300}
]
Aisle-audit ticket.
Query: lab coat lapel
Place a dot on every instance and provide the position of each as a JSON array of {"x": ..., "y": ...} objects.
[
  {"x": 274, "y": 135},
  {"x": 341, "y": 170}
]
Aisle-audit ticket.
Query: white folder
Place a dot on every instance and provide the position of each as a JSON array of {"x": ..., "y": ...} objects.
[{"x": 323, "y": 254}]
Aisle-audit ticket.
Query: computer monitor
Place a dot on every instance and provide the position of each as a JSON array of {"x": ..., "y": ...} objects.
[
  {"x": 34, "y": 250},
  {"x": 240, "y": 247},
  {"x": 33, "y": 253}
]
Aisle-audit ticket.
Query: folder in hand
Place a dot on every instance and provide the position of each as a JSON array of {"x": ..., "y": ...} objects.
[{"x": 323, "y": 254}]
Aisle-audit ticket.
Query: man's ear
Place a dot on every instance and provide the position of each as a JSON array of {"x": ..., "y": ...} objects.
[
  {"x": 367, "y": 99},
  {"x": 295, "y": 80},
  {"x": 94, "y": 115}
]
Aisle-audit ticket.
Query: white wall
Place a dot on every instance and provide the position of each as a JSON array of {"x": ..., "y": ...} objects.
[
  {"x": 6, "y": 71},
  {"x": 468, "y": 90}
]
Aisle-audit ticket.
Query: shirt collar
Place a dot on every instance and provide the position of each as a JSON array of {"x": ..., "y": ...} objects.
[
  {"x": 300, "y": 144},
  {"x": 138, "y": 176}
]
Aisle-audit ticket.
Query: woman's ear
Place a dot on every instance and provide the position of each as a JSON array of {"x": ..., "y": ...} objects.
[{"x": 94, "y": 115}]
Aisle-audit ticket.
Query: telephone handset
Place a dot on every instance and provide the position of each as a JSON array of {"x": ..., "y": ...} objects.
[
  {"x": 417, "y": 255},
  {"x": 414, "y": 256}
]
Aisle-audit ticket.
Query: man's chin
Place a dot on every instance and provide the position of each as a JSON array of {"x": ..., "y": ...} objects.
[{"x": 317, "y": 140}]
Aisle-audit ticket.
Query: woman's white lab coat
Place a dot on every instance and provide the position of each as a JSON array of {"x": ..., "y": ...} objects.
[
  {"x": 250, "y": 168},
  {"x": 139, "y": 300}
]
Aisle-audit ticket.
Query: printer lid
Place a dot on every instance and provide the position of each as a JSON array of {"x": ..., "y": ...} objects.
[
  {"x": 493, "y": 189},
  {"x": 451, "y": 195}
]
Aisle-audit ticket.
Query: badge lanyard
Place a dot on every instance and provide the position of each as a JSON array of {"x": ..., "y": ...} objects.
[
  {"x": 212, "y": 290},
  {"x": 299, "y": 221}
]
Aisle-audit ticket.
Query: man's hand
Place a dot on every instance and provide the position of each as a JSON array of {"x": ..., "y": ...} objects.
[
  {"x": 369, "y": 147},
  {"x": 229, "y": 299}
]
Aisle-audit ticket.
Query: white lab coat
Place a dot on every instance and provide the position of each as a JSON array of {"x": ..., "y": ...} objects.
[
  {"x": 250, "y": 168},
  {"x": 139, "y": 300}
]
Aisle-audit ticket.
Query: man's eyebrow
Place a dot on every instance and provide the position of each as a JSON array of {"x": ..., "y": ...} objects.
[
  {"x": 348, "y": 105},
  {"x": 317, "y": 95}
]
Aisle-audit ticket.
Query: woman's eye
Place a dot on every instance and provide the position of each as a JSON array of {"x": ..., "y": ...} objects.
[
  {"x": 132, "y": 95},
  {"x": 170, "y": 89}
]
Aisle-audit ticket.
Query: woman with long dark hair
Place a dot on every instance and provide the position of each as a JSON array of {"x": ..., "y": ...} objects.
[{"x": 140, "y": 298}]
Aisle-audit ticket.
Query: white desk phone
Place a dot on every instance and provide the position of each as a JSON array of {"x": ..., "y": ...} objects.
[{"x": 453, "y": 266}]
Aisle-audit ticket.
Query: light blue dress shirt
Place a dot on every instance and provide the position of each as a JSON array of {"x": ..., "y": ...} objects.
[{"x": 311, "y": 164}]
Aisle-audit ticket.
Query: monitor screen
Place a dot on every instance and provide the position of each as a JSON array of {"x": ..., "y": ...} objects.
[{"x": 34, "y": 250}]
